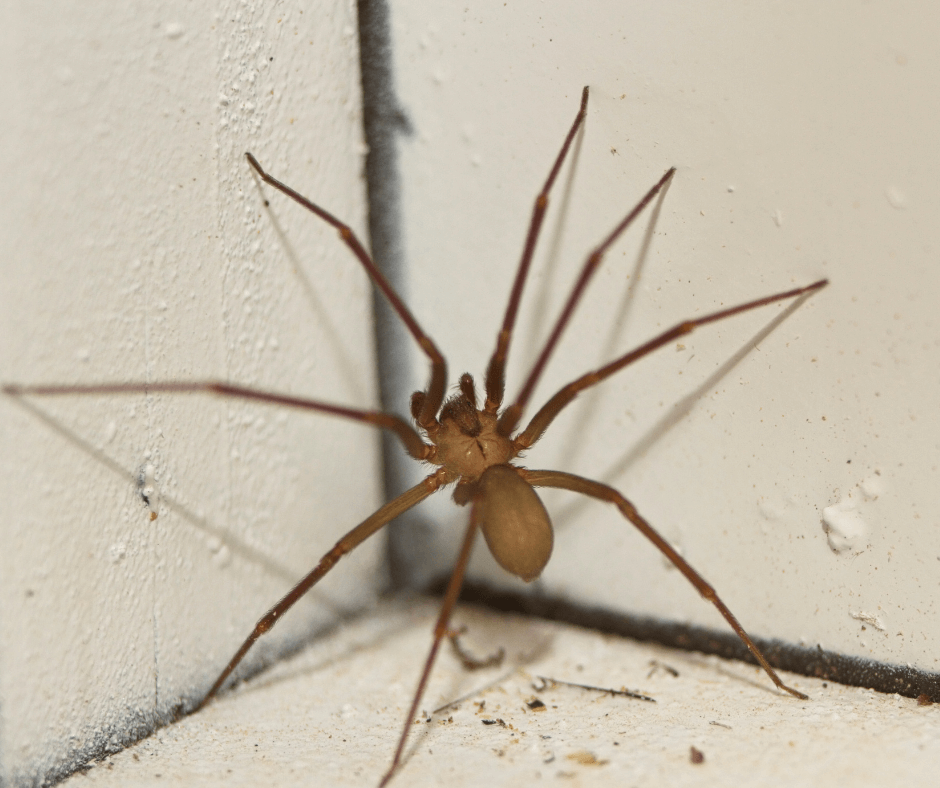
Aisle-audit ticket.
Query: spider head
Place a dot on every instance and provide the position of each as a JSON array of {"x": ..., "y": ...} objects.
[
  {"x": 461, "y": 409},
  {"x": 463, "y": 413}
]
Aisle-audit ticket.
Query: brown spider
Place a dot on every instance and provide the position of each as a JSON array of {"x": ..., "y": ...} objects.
[{"x": 472, "y": 447}]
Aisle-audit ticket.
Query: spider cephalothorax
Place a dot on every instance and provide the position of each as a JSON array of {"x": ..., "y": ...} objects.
[{"x": 465, "y": 441}]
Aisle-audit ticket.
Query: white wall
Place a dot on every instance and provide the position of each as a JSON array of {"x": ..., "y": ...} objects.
[
  {"x": 137, "y": 247},
  {"x": 805, "y": 141}
]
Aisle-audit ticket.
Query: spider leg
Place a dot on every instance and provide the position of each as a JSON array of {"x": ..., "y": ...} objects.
[
  {"x": 566, "y": 394},
  {"x": 350, "y": 541},
  {"x": 435, "y": 391},
  {"x": 568, "y": 481},
  {"x": 440, "y": 632},
  {"x": 510, "y": 417},
  {"x": 496, "y": 369},
  {"x": 416, "y": 447}
]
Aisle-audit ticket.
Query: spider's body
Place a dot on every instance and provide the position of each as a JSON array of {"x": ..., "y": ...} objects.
[{"x": 471, "y": 450}]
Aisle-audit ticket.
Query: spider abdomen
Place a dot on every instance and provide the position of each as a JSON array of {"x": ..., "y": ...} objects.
[{"x": 514, "y": 522}]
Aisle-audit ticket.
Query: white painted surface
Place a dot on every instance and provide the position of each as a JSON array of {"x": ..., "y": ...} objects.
[
  {"x": 332, "y": 717},
  {"x": 805, "y": 141},
  {"x": 136, "y": 247}
]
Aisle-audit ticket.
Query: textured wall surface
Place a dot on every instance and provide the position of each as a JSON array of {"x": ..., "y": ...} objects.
[{"x": 136, "y": 246}]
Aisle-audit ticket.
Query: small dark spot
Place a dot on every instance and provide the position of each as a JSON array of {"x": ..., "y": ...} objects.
[
  {"x": 497, "y": 721},
  {"x": 696, "y": 756},
  {"x": 924, "y": 700},
  {"x": 586, "y": 758},
  {"x": 536, "y": 705},
  {"x": 848, "y": 462},
  {"x": 655, "y": 665}
]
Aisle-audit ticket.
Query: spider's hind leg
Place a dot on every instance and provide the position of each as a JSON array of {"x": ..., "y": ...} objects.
[{"x": 568, "y": 481}]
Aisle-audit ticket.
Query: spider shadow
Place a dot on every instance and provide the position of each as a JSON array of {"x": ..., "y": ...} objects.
[
  {"x": 735, "y": 672},
  {"x": 219, "y": 537},
  {"x": 334, "y": 335},
  {"x": 237, "y": 546},
  {"x": 200, "y": 523},
  {"x": 526, "y": 642},
  {"x": 535, "y": 334},
  {"x": 574, "y": 444},
  {"x": 267, "y": 654},
  {"x": 408, "y": 561},
  {"x": 679, "y": 411},
  {"x": 382, "y": 629}
]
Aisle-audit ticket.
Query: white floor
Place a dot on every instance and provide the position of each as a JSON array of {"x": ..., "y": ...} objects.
[{"x": 332, "y": 715}]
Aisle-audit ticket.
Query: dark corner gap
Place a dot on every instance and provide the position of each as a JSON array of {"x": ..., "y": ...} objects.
[
  {"x": 384, "y": 121},
  {"x": 808, "y": 661}
]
